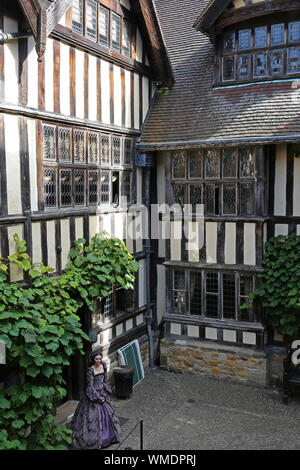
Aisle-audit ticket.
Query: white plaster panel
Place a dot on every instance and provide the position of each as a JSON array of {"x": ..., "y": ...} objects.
[
  {"x": 211, "y": 333},
  {"x": 16, "y": 274},
  {"x": 139, "y": 47},
  {"x": 176, "y": 236},
  {"x": 298, "y": 229},
  {"x": 139, "y": 319},
  {"x": 119, "y": 329},
  {"x": 249, "y": 244},
  {"x": 105, "y": 92},
  {"x": 127, "y": 99},
  {"x": 51, "y": 245},
  {"x": 78, "y": 227},
  {"x": 249, "y": 338},
  {"x": 296, "y": 205},
  {"x": 117, "y": 96},
  {"x": 193, "y": 244},
  {"x": 211, "y": 242},
  {"x": 142, "y": 283},
  {"x": 32, "y": 151},
  {"x": 145, "y": 96},
  {"x": 12, "y": 151},
  {"x": 33, "y": 77},
  {"x": 64, "y": 79},
  {"x": 36, "y": 242},
  {"x": 92, "y": 88},
  {"x": 65, "y": 241},
  {"x": 280, "y": 180},
  {"x": 193, "y": 331},
  {"x": 136, "y": 101},
  {"x": 281, "y": 229},
  {"x": 79, "y": 86},
  {"x": 175, "y": 329},
  {"x": 230, "y": 243},
  {"x": 129, "y": 324},
  {"x": 11, "y": 63},
  {"x": 49, "y": 71},
  {"x": 229, "y": 335},
  {"x": 94, "y": 224}
]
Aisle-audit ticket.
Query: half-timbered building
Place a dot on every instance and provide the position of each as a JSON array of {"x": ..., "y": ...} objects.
[
  {"x": 225, "y": 135},
  {"x": 76, "y": 82}
]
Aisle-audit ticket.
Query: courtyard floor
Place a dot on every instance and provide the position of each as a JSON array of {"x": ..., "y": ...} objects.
[{"x": 195, "y": 412}]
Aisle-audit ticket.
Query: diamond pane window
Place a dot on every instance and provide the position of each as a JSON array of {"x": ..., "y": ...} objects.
[
  {"x": 195, "y": 293},
  {"x": 49, "y": 143},
  {"x": 179, "y": 161},
  {"x": 93, "y": 156},
  {"x": 179, "y": 194},
  {"x": 244, "y": 41},
  {"x": 105, "y": 149},
  {"x": 247, "y": 199},
  {"x": 276, "y": 62},
  {"x": 229, "y": 296},
  {"x": 260, "y": 36},
  {"x": 126, "y": 43},
  {"x": 294, "y": 31},
  {"x": 243, "y": 64},
  {"x": 105, "y": 187},
  {"x": 79, "y": 186},
  {"x": 260, "y": 64},
  {"x": 91, "y": 19},
  {"x": 229, "y": 42},
  {"x": 103, "y": 26},
  {"x": 50, "y": 187},
  {"x": 229, "y": 199},
  {"x": 211, "y": 196},
  {"x": 127, "y": 185},
  {"x": 77, "y": 16},
  {"x": 195, "y": 196},
  {"x": 128, "y": 151},
  {"x": 116, "y": 150},
  {"x": 293, "y": 59},
  {"x": 247, "y": 163},
  {"x": 93, "y": 186},
  {"x": 195, "y": 164},
  {"x": 64, "y": 144},
  {"x": 277, "y": 34},
  {"x": 79, "y": 147},
  {"x": 212, "y": 164},
  {"x": 230, "y": 157},
  {"x": 115, "y": 32},
  {"x": 228, "y": 68},
  {"x": 65, "y": 187}
]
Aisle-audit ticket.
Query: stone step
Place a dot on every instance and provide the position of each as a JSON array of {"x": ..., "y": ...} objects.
[{"x": 65, "y": 412}]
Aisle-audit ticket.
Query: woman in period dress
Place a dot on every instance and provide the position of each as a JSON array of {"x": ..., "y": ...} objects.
[{"x": 95, "y": 423}]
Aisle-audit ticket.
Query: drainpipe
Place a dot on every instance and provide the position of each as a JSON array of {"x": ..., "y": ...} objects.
[
  {"x": 146, "y": 162},
  {"x": 5, "y": 37}
]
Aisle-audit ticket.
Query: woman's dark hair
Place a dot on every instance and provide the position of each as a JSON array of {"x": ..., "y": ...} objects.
[{"x": 92, "y": 359}]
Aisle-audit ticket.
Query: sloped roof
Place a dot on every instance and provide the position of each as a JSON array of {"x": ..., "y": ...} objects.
[{"x": 194, "y": 112}]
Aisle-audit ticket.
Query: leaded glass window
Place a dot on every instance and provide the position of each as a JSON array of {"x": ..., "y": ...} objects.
[
  {"x": 126, "y": 42},
  {"x": 247, "y": 163},
  {"x": 179, "y": 164},
  {"x": 211, "y": 199},
  {"x": 127, "y": 185},
  {"x": 115, "y": 32},
  {"x": 127, "y": 151},
  {"x": 260, "y": 36},
  {"x": 195, "y": 196},
  {"x": 65, "y": 187},
  {"x": 277, "y": 62},
  {"x": 179, "y": 292},
  {"x": 229, "y": 199},
  {"x": 64, "y": 144},
  {"x": 244, "y": 39},
  {"x": 50, "y": 187},
  {"x": 212, "y": 164},
  {"x": 195, "y": 164},
  {"x": 104, "y": 26},
  {"x": 246, "y": 288},
  {"x": 105, "y": 187},
  {"x": 294, "y": 59},
  {"x": 230, "y": 158},
  {"x": 93, "y": 151},
  {"x": 105, "y": 149},
  {"x": 212, "y": 294},
  {"x": 79, "y": 147},
  {"x": 195, "y": 293},
  {"x": 247, "y": 199},
  {"x": 294, "y": 31},
  {"x": 228, "y": 68},
  {"x": 49, "y": 143},
  {"x": 277, "y": 34},
  {"x": 229, "y": 42},
  {"x": 91, "y": 19},
  {"x": 179, "y": 194},
  {"x": 77, "y": 19},
  {"x": 116, "y": 150},
  {"x": 229, "y": 296},
  {"x": 244, "y": 66},
  {"x": 93, "y": 186},
  {"x": 79, "y": 186},
  {"x": 260, "y": 64}
]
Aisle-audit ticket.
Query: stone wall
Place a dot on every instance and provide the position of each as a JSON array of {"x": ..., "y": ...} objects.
[{"x": 242, "y": 364}]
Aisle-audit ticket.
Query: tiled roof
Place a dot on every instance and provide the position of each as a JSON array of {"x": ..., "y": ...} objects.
[{"x": 193, "y": 110}]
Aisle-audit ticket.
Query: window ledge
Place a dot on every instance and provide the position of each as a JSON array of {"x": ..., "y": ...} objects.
[{"x": 215, "y": 323}]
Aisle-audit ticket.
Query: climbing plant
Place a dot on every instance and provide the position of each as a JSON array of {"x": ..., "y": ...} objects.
[
  {"x": 279, "y": 290},
  {"x": 41, "y": 330}
]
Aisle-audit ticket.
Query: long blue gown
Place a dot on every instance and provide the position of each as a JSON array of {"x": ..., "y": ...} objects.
[{"x": 95, "y": 425}]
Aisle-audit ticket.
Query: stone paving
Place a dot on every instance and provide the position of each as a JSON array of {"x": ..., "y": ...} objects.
[{"x": 186, "y": 411}]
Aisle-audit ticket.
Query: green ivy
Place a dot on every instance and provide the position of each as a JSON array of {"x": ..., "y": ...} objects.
[
  {"x": 41, "y": 330},
  {"x": 279, "y": 290}
]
